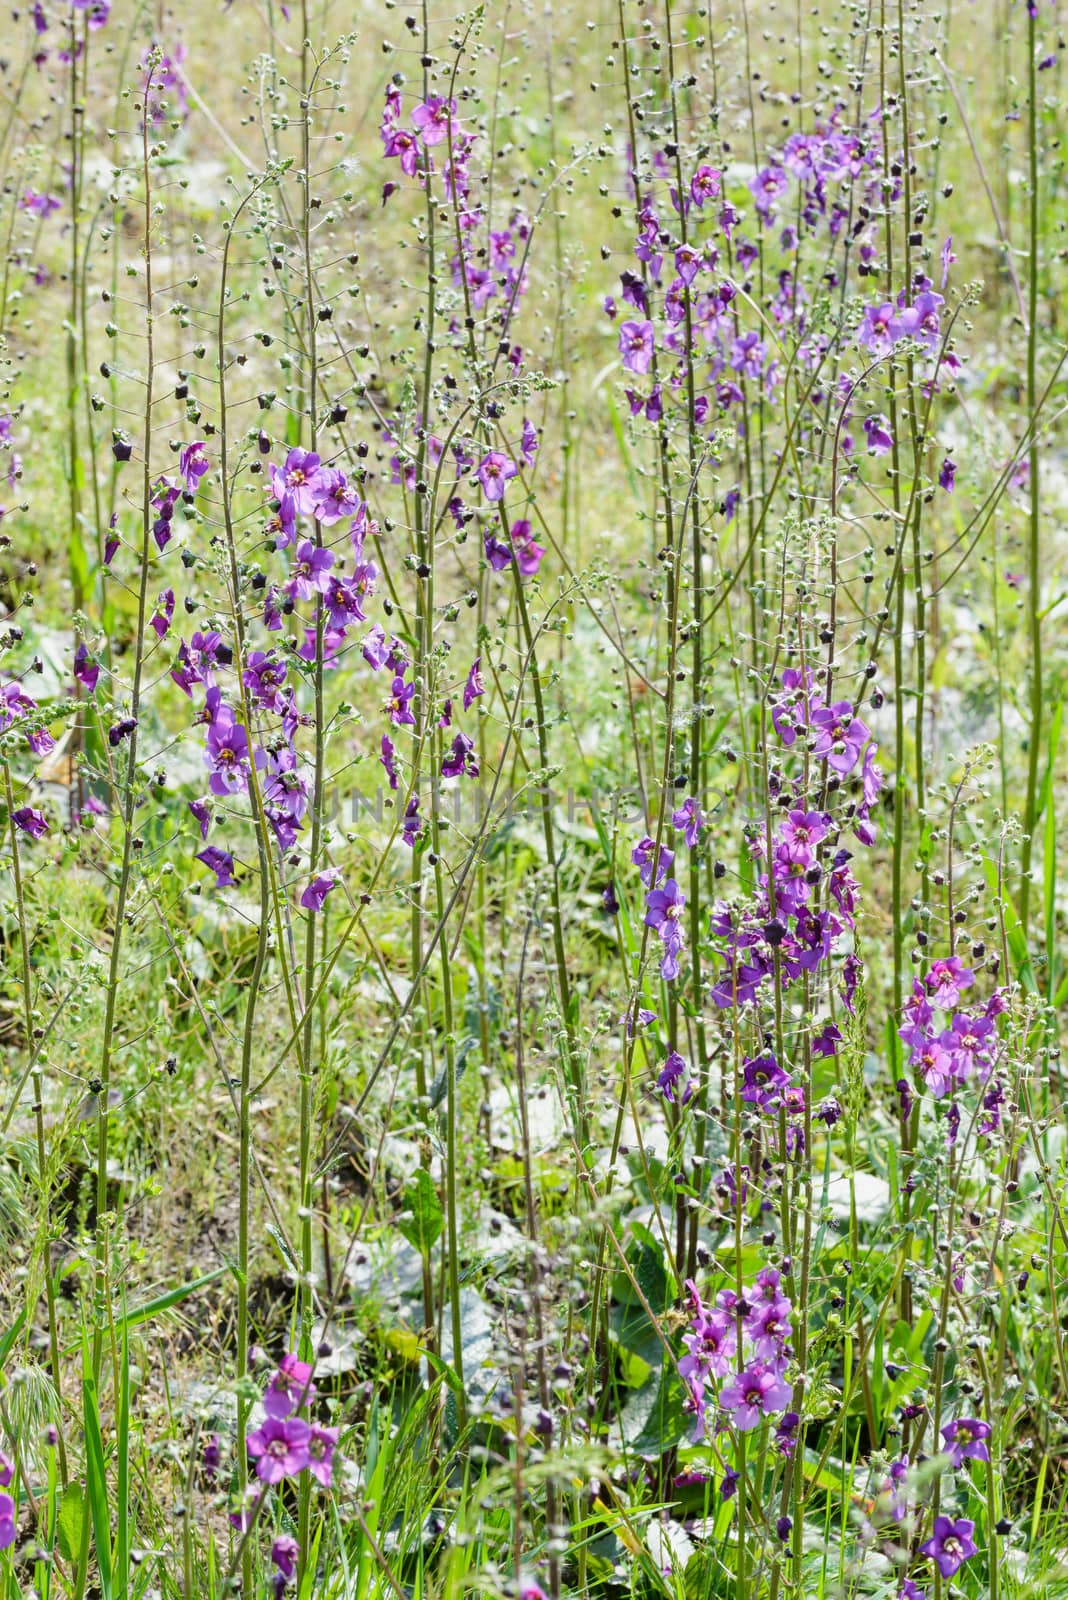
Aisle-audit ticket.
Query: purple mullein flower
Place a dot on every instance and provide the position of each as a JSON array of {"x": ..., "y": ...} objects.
[
  {"x": 673, "y": 1076},
  {"x": 400, "y": 699},
  {"x": 966, "y": 1440},
  {"x": 413, "y": 822},
  {"x": 636, "y": 346},
  {"x": 28, "y": 820},
  {"x": 947, "y": 475},
  {"x": 314, "y": 896},
  {"x": 880, "y": 439},
  {"x": 875, "y": 331},
  {"x": 474, "y": 687},
  {"x": 193, "y": 463},
  {"x": 946, "y": 980},
  {"x": 321, "y": 1446},
  {"x": 387, "y": 760},
  {"x": 840, "y": 736},
  {"x": 85, "y": 669},
  {"x": 284, "y": 1553},
  {"x": 494, "y": 472},
  {"x": 950, "y": 1544},
  {"x": 300, "y": 479},
  {"x": 461, "y": 760},
  {"x": 704, "y": 185},
  {"x": 290, "y": 1388},
  {"x": 663, "y": 911},
  {"x": 211, "y": 1455},
  {"x": 227, "y": 755},
  {"x": 642, "y": 858},
  {"x": 689, "y": 819},
  {"x": 160, "y": 621},
  {"x": 201, "y": 810},
  {"x": 763, "y": 1081},
  {"x": 221, "y": 863},
  {"x": 279, "y": 1448},
  {"x": 754, "y": 1394},
  {"x": 310, "y": 573},
  {"x": 528, "y": 554}
]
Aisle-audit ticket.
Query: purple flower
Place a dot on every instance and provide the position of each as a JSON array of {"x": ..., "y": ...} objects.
[
  {"x": 201, "y": 810},
  {"x": 192, "y": 464},
  {"x": 161, "y": 619},
  {"x": 289, "y": 1389},
  {"x": 39, "y": 205},
  {"x": 431, "y": 119},
  {"x": 211, "y": 1455},
  {"x": 461, "y": 760},
  {"x": 321, "y": 1446},
  {"x": 840, "y": 736},
  {"x": 946, "y": 980},
  {"x": 279, "y": 1448},
  {"x": 689, "y": 818},
  {"x": 875, "y": 328},
  {"x": 494, "y": 471},
  {"x": 636, "y": 346},
  {"x": 30, "y": 821},
  {"x": 310, "y": 573},
  {"x": 528, "y": 554},
  {"x": 671, "y": 1077},
  {"x": 474, "y": 687},
  {"x": 7, "y": 1521},
  {"x": 948, "y": 258},
  {"x": 950, "y": 1544},
  {"x": 96, "y": 12},
  {"x": 284, "y": 1553},
  {"x": 314, "y": 896},
  {"x": 880, "y": 439},
  {"x": 966, "y": 1440},
  {"x": 754, "y": 1394},
  {"x": 227, "y": 756},
  {"x": 300, "y": 479},
  {"x": 663, "y": 911},
  {"x": 910, "y": 1591},
  {"x": 85, "y": 669},
  {"x": 763, "y": 1079},
  {"x": 413, "y": 822},
  {"x": 642, "y": 857},
  {"x": 264, "y": 678},
  {"x": 920, "y": 321},
  {"x": 387, "y": 760},
  {"x": 221, "y": 863},
  {"x": 704, "y": 185},
  {"x": 337, "y": 497},
  {"x": 400, "y": 698},
  {"x": 947, "y": 475}
]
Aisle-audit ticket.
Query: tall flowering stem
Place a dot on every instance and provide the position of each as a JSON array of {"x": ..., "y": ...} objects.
[{"x": 129, "y": 787}]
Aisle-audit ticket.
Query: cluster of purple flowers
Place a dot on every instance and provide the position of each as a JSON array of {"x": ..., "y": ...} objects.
[
  {"x": 742, "y": 1345},
  {"x": 284, "y": 1446},
  {"x": 807, "y": 899},
  {"x": 949, "y": 1047}
]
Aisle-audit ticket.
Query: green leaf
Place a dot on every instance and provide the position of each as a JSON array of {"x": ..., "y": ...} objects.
[
  {"x": 96, "y": 1480},
  {"x": 422, "y": 1219},
  {"x": 70, "y": 1522}
]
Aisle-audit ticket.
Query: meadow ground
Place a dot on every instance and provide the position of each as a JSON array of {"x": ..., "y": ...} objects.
[{"x": 531, "y": 556}]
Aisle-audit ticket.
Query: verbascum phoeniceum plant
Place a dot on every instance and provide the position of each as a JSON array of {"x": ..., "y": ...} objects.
[{"x": 531, "y": 692}]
